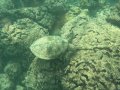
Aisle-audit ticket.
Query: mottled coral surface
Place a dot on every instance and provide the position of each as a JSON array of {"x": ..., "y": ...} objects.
[{"x": 92, "y": 58}]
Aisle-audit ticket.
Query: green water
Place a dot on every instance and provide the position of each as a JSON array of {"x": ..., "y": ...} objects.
[{"x": 59, "y": 44}]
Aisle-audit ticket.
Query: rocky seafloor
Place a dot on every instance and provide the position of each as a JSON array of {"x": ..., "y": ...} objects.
[{"x": 92, "y": 27}]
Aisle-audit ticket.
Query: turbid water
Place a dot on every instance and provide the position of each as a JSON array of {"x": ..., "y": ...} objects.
[{"x": 35, "y": 39}]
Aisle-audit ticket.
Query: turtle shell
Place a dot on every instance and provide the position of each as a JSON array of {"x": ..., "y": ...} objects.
[{"x": 49, "y": 47}]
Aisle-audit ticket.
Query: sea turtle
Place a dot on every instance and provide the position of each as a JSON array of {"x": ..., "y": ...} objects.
[{"x": 49, "y": 47}]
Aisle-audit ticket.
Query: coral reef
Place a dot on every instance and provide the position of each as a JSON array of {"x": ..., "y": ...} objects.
[
  {"x": 6, "y": 84},
  {"x": 13, "y": 70},
  {"x": 23, "y": 31},
  {"x": 96, "y": 64},
  {"x": 114, "y": 17},
  {"x": 6, "y": 5},
  {"x": 56, "y": 7},
  {"x": 91, "y": 59},
  {"x": 18, "y": 87},
  {"x": 21, "y": 34},
  {"x": 44, "y": 75},
  {"x": 39, "y": 15}
]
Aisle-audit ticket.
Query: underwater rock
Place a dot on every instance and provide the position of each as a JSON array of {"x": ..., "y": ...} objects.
[
  {"x": 114, "y": 16},
  {"x": 93, "y": 66},
  {"x": 55, "y": 7},
  {"x": 114, "y": 21},
  {"x": 17, "y": 37},
  {"x": 88, "y": 71},
  {"x": 68, "y": 32},
  {"x": 96, "y": 64},
  {"x": 5, "y": 83},
  {"x": 26, "y": 3},
  {"x": 6, "y": 5},
  {"x": 49, "y": 47},
  {"x": 13, "y": 70},
  {"x": 19, "y": 87},
  {"x": 39, "y": 15},
  {"x": 24, "y": 31},
  {"x": 43, "y": 75},
  {"x": 73, "y": 12},
  {"x": 13, "y": 50}
]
